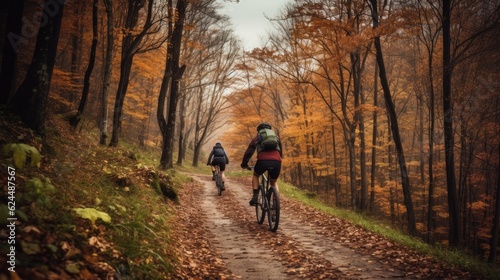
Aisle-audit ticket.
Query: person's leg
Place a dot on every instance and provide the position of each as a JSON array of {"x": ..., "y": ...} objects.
[
  {"x": 275, "y": 173},
  {"x": 213, "y": 171},
  {"x": 255, "y": 181},
  {"x": 274, "y": 182},
  {"x": 258, "y": 169},
  {"x": 255, "y": 190},
  {"x": 222, "y": 166}
]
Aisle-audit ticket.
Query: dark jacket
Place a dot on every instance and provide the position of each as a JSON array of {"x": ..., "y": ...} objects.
[{"x": 217, "y": 152}]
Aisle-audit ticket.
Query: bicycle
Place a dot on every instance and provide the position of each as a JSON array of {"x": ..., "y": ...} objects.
[
  {"x": 268, "y": 202},
  {"x": 218, "y": 180}
]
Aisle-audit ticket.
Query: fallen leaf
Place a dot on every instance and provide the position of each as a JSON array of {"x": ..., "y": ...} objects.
[
  {"x": 30, "y": 248},
  {"x": 73, "y": 268}
]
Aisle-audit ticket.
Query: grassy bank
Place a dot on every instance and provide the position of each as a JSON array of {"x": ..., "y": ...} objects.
[{"x": 86, "y": 210}]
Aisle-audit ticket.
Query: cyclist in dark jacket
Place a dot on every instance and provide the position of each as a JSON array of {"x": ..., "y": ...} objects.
[
  {"x": 218, "y": 156},
  {"x": 265, "y": 159}
]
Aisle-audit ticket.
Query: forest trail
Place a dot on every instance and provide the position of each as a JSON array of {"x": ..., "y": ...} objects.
[{"x": 307, "y": 245}]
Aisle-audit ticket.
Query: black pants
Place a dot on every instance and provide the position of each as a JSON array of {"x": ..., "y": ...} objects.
[
  {"x": 220, "y": 161},
  {"x": 274, "y": 167}
]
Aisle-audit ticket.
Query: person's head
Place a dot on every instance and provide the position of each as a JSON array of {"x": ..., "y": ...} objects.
[
  {"x": 218, "y": 144},
  {"x": 263, "y": 125}
]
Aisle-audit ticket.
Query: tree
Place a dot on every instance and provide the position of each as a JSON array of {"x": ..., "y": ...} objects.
[
  {"x": 210, "y": 49},
  {"x": 103, "y": 112},
  {"x": 339, "y": 54},
  {"x": 429, "y": 35},
  {"x": 394, "y": 124},
  {"x": 222, "y": 51},
  {"x": 131, "y": 45},
  {"x": 448, "y": 129},
  {"x": 31, "y": 97},
  {"x": 496, "y": 219},
  {"x": 171, "y": 78},
  {"x": 86, "y": 81},
  {"x": 8, "y": 71}
]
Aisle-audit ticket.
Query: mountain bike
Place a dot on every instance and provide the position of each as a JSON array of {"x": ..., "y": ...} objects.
[
  {"x": 268, "y": 202},
  {"x": 218, "y": 180}
]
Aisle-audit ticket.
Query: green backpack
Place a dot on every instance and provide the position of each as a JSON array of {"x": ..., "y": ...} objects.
[{"x": 267, "y": 140}]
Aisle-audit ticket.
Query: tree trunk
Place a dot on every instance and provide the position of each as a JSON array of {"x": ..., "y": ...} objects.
[
  {"x": 352, "y": 170},
  {"x": 10, "y": 49},
  {"x": 76, "y": 39},
  {"x": 412, "y": 230},
  {"x": 356, "y": 199},
  {"x": 90, "y": 68},
  {"x": 374, "y": 141},
  {"x": 129, "y": 49},
  {"x": 196, "y": 155},
  {"x": 431, "y": 214},
  {"x": 32, "y": 96},
  {"x": 496, "y": 219},
  {"x": 336, "y": 182},
  {"x": 421, "y": 139},
  {"x": 454, "y": 221},
  {"x": 182, "y": 125},
  {"x": 362, "y": 158},
  {"x": 125, "y": 69},
  {"x": 197, "y": 130},
  {"x": 173, "y": 73},
  {"x": 103, "y": 115}
]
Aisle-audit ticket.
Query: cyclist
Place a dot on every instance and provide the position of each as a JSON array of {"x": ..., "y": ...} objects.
[
  {"x": 218, "y": 156},
  {"x": 266, "y": 158}
]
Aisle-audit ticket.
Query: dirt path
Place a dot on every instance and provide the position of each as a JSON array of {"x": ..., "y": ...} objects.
[{"x": 224, "y": 241}]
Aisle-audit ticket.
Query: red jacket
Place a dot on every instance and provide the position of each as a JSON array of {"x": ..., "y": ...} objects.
[{"x": 262, "y": 155}]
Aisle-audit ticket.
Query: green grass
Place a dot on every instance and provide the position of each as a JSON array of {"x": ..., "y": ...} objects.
[
  {"x": 139, "y": 215},
  {"x": 137, "y": 229},
  {"x": 138, "y": 222}
]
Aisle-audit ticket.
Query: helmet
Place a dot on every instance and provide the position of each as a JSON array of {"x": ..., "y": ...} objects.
[{"x": 263, "y": 125}]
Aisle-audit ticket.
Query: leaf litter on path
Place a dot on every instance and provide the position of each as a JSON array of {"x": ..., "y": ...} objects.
[{"x": 224, "y": 241}]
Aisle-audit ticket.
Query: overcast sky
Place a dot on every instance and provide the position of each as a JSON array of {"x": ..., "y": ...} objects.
[{"x": 249, "y": 19}]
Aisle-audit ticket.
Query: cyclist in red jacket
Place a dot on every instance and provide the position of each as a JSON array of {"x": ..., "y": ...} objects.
[{"x": 266, "y": 158}]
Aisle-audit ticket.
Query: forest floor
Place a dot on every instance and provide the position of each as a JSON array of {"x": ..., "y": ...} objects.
[
  {"x": 208, "y": 236},
  {"x": 218, "y": 237}
]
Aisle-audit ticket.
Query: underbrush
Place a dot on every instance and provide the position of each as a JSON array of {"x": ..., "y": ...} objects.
[{"x": 89, "y": 211}]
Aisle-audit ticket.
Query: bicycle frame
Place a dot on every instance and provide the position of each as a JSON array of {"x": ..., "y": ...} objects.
[
  {"x": 268, "y": 203},
  {"x": 218, "y": 179}
]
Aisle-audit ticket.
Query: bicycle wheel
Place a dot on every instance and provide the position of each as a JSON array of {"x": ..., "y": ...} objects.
[
  {"x": 218, "y": 183},
  {"x": 260, "y": 208},
  {"x": 273, "y": 209}
]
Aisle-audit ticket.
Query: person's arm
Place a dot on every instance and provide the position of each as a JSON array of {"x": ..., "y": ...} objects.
[
  {"x": 225, "y": 155},
  {"x": 248, "y": 153},
  {"x": 280, "y": 148},
  {"x": 210, "y": 156}
]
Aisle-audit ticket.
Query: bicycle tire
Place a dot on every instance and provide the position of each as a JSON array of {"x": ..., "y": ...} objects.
[
  {"x": 273, "y": 208},
  {"x": 218, "y": 182},
  {"x": 260, "y": 207}
]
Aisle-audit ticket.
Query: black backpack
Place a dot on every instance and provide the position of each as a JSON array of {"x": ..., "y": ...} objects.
[{"x": 219, "y": 151}]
